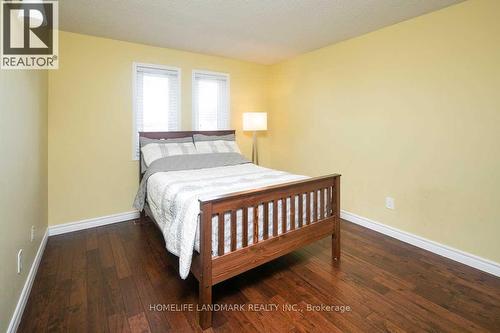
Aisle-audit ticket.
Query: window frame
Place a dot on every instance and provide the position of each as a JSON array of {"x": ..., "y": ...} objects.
[
  {"x": 135, "y": 130},
  {"x": 194, "y": 114}
]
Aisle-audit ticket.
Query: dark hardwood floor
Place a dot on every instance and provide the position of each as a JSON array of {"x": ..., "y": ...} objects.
[{"x": 106, "y": 278}]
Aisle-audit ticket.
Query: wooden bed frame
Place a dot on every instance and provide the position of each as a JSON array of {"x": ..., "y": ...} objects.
[{"x": 324, "y": 221}]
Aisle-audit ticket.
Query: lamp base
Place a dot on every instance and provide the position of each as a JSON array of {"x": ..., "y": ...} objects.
[{"x": 255, "y": 155}]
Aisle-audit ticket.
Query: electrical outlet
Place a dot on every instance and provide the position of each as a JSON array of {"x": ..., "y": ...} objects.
[
  {"x": 19, "y": 261},
  {"x": 389, "y": 203},
  {"x": 32, "y": 235}
]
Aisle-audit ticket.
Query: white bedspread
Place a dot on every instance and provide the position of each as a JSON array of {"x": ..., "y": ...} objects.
[{"x": 173, "y": 199}]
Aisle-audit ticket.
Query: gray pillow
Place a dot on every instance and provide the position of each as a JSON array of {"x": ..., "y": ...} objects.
[
  {"x": 203, "y": 137},
  {"x": 144, "y": 141}
]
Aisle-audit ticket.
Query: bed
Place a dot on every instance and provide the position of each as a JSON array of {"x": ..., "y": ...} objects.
[{"x": 224, "y": 218}]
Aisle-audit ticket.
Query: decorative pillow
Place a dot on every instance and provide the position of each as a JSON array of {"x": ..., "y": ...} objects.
[
  {"x": 144, "y": 141},
  {"x": 217, "y": 146},
  {"x": 203, "y": 137},
  {"x": 155, "y": 149}
]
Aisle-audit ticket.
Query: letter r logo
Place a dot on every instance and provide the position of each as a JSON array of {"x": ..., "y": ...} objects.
[{"x": 27, "y": 28}]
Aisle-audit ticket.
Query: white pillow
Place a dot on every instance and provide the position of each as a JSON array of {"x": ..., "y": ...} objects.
[
  {"x": 153, "y": 151},
  {"x": 217, "y": 146}
]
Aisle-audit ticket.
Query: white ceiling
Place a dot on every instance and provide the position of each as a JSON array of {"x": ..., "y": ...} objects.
[{"x": 262, "y": 31}]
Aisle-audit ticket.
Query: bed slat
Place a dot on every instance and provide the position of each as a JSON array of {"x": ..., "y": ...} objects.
[
  {"x": 255, "y": 224},
  {"x": 233, "y": 230},
  {"x": 266, "y": 220},
  {"x": 283, "y": 215},
  {"x": 301, "y": 209},
  {"x": 244, "y": 241},
  {"x": 321, "y": 203},
  {"x": 308, "y": 208},
  {"x": 329, "y": 201},
  {"x": 275, "y": 217},
  {"x": 292, "y": 212},
  {"x": 220, "y": 241},
  {"x": 315, "y": 206}
]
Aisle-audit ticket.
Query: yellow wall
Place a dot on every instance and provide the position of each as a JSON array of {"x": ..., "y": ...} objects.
[
  {"x": 410, "y": 111},
  {"x": 91, "y": 172},
  {"x": 23, "y": 185}
]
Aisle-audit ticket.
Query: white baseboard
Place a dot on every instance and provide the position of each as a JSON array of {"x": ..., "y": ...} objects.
[
  {"x": 426, "y": 244},
  {"x": 91, "y": 223},
  {"x": 25, "y": 293}
]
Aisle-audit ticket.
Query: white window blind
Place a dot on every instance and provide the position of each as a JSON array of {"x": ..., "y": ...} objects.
[
  {"x": 156, "y": 100},
  {"x": 210, "y": 101}
]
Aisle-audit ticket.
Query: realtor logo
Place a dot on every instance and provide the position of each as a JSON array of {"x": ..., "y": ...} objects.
[{"x": 29, "y": 34}]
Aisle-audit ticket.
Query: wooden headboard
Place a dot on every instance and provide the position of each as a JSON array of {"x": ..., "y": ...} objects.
[
  {"x": 181, "y": 134},
  {"x": 174, "y": 135}
]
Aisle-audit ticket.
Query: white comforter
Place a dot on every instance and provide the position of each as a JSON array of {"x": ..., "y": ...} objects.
[{"x": 173, "y": 199}]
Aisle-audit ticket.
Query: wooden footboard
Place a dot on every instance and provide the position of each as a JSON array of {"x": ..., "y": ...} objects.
[{"x": 310, "y": 210}]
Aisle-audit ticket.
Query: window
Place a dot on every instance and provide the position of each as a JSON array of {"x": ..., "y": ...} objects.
[
  {"x": 210, "y": 101},
  {"x": 156, "y": 100}
]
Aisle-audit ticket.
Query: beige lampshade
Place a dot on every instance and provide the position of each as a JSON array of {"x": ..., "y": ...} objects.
[{"x": 255, "y": 121}]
